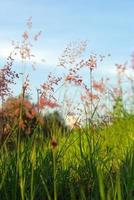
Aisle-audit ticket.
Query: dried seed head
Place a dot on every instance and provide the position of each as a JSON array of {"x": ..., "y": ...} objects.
[{"x": 54, "y": 143}]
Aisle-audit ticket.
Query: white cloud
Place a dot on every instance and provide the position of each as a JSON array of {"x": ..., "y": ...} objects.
[{"x": 5, "y": 49}]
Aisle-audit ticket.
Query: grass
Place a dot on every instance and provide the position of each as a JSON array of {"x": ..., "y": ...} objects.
[
  {"x": 40, "y": 159},
  {"x": 85, "y": 164}
]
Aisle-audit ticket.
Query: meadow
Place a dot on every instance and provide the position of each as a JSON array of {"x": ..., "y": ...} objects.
[{"x": 42, "y": 157}]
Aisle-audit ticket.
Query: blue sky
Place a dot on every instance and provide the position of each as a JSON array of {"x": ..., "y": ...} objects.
[{"x": 108, "y": 26}]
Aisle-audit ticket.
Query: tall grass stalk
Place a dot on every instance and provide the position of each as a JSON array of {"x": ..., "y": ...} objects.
[{"x": 54, "y": 173}]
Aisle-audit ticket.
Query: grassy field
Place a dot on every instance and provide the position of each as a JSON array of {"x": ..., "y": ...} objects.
[
  {"x": 43, "y": 158},
  {"x": 88, "y": 163}
]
